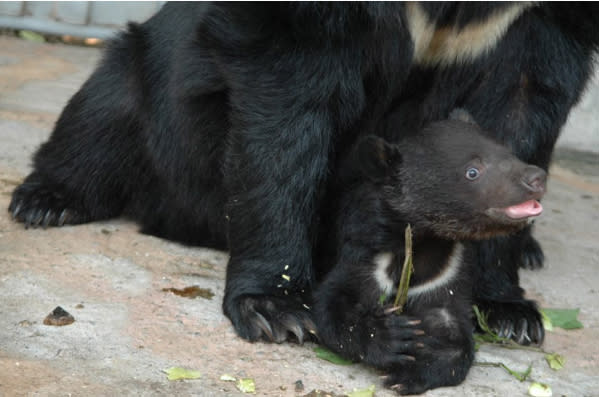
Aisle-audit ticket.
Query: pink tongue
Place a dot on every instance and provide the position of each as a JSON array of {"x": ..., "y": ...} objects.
[{"x": 524, "y": 210}]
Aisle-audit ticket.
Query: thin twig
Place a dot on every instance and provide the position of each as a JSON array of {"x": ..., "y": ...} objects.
[{"x": 406, "y": 272}]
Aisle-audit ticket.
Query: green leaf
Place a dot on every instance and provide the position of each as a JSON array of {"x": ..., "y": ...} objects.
[
  {"x": 330, "y": 356},
  {"x": 488, "y": 336},
  {"x": 382, "y": 299},
  {"x": 31, "y": 36},
  {"x": 521, "y": 376},
  {"x": 546, "y": 321},
  {"x": 368, "y": 392},
  {"x": 537, "y": 389},
  {"x": 563, "y": 318},
  {"x": 227, "y": 378},
  {"x": 177, "y": 373},
  {"x": 555, "y": 361},
  {"x": 481, "y": 318},
  {"x": 246, "y": 385}
]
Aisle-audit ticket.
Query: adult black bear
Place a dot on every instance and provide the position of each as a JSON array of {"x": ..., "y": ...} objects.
[
  {"x": 451, "y": 184},
  {"x": 250, "y": 105}
]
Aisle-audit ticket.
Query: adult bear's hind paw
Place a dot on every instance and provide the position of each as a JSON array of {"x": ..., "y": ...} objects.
[{"x": 38, "y": 204}]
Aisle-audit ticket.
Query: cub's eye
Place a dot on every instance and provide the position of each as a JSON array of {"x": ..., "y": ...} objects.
[{"x": 472, "y": 173}]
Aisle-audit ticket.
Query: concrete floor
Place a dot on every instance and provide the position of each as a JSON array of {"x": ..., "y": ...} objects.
[{"x": 127, "y": 330}]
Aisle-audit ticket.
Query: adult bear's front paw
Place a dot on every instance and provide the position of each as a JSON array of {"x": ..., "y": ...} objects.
[
  {"x": 39, "y": 203},
  {"x": 270, "y": 318}
]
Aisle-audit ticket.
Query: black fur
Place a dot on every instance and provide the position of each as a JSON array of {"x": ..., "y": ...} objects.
[
  {"x": 221, "y": 124},
  {"x": 418, "y": 181}
]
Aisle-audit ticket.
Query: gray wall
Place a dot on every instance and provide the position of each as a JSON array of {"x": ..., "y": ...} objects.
[
  {"x": 98, "y": 19},
  {"x": 582, "y": 129}
]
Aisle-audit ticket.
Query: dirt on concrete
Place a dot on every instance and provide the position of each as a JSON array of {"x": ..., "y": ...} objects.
[{"x": 127, "y": 329}]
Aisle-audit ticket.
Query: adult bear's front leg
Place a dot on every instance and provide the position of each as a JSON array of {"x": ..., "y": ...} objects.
[
  {"x": 274, "y": 174},
  {"x": 290, "y": 89},
  {"x": 276, "y": 164}
]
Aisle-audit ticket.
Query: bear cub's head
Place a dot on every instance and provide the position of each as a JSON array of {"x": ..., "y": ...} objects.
[{"x": 451, "y": 180}]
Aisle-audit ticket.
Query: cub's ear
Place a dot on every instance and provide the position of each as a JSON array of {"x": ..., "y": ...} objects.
[
  {"x": 462, "y": 115},
  {"x": 375, "y": 157}
]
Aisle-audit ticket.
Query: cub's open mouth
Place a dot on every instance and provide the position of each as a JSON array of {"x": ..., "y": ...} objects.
[
  {"x": 524, "y": 210},
  {"x": 518, "y": 212}
]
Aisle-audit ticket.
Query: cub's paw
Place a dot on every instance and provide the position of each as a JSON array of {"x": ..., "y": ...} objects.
[
  {"x": 433, "y": 361},
  {"x": 406, "y": 382},
  {"x": 270, "y": 318},
  {"x": 520, "y": 321},
  {"x": 531, "y": 256},
  {"x": 40, "y": 204},
  {"x": 447, "y": 367},
  {"x": 393, "y": 340}
]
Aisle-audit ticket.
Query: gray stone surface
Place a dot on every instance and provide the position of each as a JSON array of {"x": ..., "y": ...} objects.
[
  {"x": 127, "y": 330},
  {"x": 582, "y": 129}
]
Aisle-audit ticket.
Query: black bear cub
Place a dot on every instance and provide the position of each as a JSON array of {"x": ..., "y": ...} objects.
[{"x": 452, "y": 185}]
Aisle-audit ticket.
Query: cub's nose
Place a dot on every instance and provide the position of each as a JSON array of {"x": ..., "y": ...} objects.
[{"x": 534, "y": 179}]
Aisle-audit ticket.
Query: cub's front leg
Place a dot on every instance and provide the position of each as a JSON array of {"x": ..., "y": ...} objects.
[
  {"x": 429, "y": 345},
  {"x": 362, "y": 331}
]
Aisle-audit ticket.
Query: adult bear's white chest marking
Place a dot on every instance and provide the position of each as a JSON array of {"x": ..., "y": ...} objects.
[{"x": 449, "y": 44}]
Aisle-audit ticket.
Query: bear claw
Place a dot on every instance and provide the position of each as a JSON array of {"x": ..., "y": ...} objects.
[
  {"x": 273, "y": 319},
  {"x": 518, "y": 321},
  {"x": 41, "y": 204}
]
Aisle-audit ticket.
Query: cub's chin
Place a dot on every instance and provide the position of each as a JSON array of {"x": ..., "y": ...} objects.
[{"x": 491, "y": 222}]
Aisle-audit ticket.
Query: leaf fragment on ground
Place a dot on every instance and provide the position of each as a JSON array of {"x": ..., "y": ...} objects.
[
  {"x": 191, "y": 292},
  {"x": 322, "y": 393},
  {"x": 31, "y": 36},
  {"x": 546, "y": 321},
  {"x": 227, "y": 378},
  {"x": 246, "y": 385},
  {"x": 537, "y": 389},
  {"x": 328, "y": 355},
  {"x": 555, "y": 361},
  {"x": 178, "y": 373},
  {"x": 368, "y": 392},
  {"x": 563, "y": 318},
  {"x": 488, "y": 335},
  {"x": 521, "y": 376}
]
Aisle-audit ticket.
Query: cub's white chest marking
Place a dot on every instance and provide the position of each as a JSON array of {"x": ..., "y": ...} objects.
[
  {"x": 449, "y": 273},
  {"x": 450, "y": 45},
  {"x": 382, "y": 262},
  {"x": 386, "y": 285}
]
